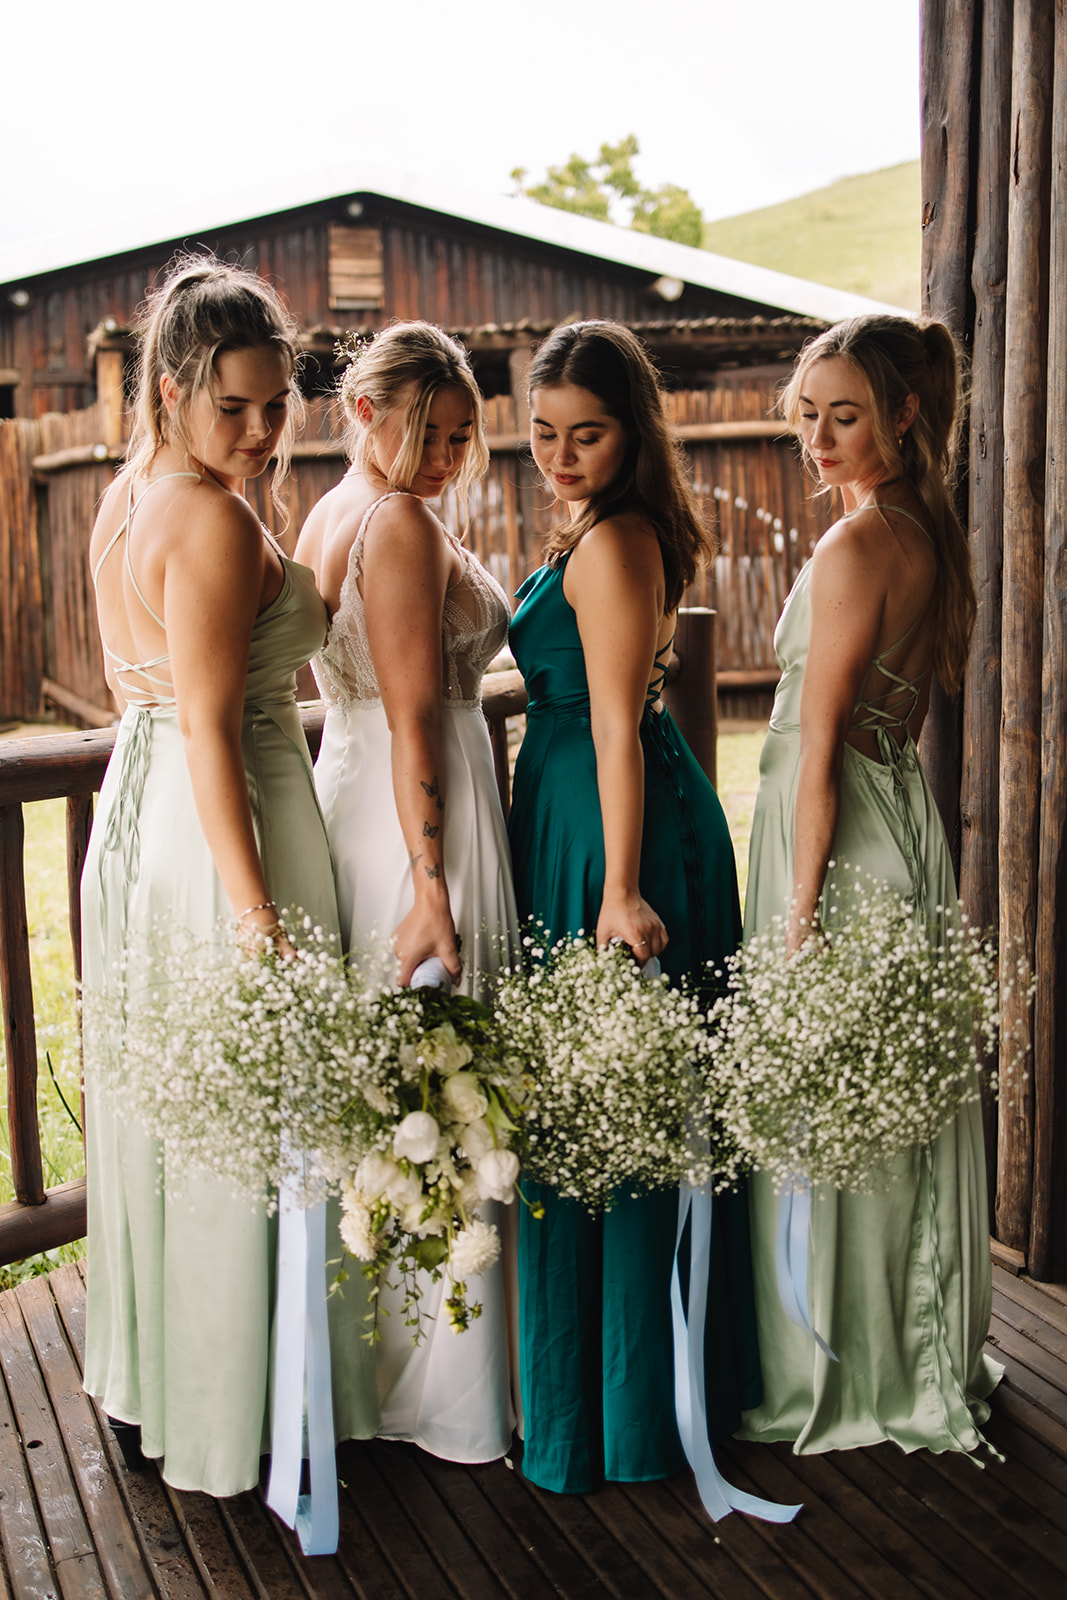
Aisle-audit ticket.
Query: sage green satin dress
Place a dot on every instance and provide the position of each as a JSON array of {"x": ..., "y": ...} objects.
[
  {"x": 181, "y": 1291},
  {"x": 899, "y": 1282},
  {"x": 596, "y": 1359}
]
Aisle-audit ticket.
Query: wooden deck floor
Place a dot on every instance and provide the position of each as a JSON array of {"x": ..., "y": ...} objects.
[{"x": 876, "y": 1523}]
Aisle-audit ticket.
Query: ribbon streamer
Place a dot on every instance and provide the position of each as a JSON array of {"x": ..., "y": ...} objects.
[
  {"x": 718, "y": 1497},
  {"x": 791, "y": 1257},
  {"x": 302, "y": 1386}
]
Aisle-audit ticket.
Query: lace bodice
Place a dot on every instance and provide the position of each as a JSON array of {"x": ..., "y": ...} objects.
[{"x": 474, "y": 626}]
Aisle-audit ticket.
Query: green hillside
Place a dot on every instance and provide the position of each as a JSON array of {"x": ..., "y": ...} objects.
[{"x": 860, "y": 233}]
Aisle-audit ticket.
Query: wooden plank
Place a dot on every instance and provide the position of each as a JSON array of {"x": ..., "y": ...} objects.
[
  {"x": 799, "y": 1544},
  {"x": 831, "y": 1509},
  {"x": 167, "y": 1562},
  {"x": 20, "y": 1037},
  {"x": 615, "y": 1570},
  {"x": 25, "y": 1548},
  {"x": 676, "y": 1551},
  {"x": 110, "y": 1528},
  {"x": 980, "y": 780},
  {"x": 1003, "y": 1255},
  {"x": 219, "y": 1566},
  {"x": 1019, "y": 1399},
  {"x": 471, "y": 1494},
  {"x": 1009, "y": 1497},
  {"x": 1027, "y": 1320},
  {"x": 1048, "y": 1247},
  {"x": 1026, "y": 336},
  {"x": 1034, "y": 1297},
  {"x": 66, "y": 1531},
  {"x": 734, "y": 1543},
  {"x": 1035, "y": 1374},
  {"x": 957, "y": 1549},
  {"x": 399, "y": 1531},
  {"x": 81, "y": 709},
  {"x": 447, "y": 1543},
  {"x": 263, "y": 1549}
]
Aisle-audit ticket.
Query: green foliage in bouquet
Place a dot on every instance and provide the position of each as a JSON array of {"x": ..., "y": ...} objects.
[
  {"x": 862, "y": 1045},
  {"x": 617, "y": 1098}
]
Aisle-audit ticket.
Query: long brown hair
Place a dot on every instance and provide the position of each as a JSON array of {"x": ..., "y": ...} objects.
[
  {"x": 898, "y": 357},
  {"x": 611, "y": 363},
  {"x": 203, "y": 308}
]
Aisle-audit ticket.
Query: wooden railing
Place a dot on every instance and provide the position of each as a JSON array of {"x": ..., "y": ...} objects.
[{"x": 72, "y": 766}]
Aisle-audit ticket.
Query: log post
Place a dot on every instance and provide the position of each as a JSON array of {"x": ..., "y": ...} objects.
[
  {"x": 1048, "y": 1221},
  {"x": 980, "y": 785},
  {"x": 1025, "y": 379},
  {"x": 20, "y": 1037},
  {"x": 949, "y": 79},
  {"x": 691, "y": 696},
  {"x": 110, "y": 396}
]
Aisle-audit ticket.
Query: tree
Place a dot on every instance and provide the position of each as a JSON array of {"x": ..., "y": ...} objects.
[{"x": 593, "y": 188}]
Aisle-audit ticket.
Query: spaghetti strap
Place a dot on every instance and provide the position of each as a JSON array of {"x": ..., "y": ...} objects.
[{"x": 135, "y": 693}]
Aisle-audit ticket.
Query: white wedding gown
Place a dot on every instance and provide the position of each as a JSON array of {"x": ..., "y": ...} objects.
[{"x": 451, "y": 1393}]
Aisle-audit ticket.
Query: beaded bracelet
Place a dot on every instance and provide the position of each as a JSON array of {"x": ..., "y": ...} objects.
[{"x": 264, "y": 905}]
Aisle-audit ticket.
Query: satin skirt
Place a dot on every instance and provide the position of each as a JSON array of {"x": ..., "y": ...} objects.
[
  {"x": 899, "y": 1281},
  {"x": 452, "y": 1393}
]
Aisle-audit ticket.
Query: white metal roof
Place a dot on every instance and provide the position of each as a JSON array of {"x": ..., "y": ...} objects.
[{"x": 190, "y": 219}]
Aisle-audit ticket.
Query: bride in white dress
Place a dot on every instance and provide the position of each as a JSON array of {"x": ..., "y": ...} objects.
[{"x": 405, "y": 777}]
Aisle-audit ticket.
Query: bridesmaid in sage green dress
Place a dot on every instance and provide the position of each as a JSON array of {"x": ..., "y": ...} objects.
[
  {"x": 207, "y": 811},
  {"x": 616, "y": 830},
  {"x": 899, "y": 1280}
]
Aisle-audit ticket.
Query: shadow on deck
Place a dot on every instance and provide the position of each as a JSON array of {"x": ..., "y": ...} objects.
[{"x": 876, "y": 1523}]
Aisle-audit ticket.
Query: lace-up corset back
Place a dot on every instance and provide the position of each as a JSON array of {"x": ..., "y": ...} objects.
[
  {"x": 893, "y": 706},
  {"x": 151, "y": 689},
  {"x": 474, "y": 626}
]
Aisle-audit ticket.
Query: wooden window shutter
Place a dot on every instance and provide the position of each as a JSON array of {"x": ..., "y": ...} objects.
[{"x": 356, "y": 279}]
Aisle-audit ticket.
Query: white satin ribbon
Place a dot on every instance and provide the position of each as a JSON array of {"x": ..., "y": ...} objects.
[
  {"x": 302, "y": 1388},
  {"x": 717, "y": 1496},
  {"x": 791, "y": 1256}
]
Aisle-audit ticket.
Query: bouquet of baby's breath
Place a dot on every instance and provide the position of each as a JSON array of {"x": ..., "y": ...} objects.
[
  {"x": 438, "y": 1153},
  {"x": 237, "y": 1060},
  {"x": 256, "y": 1069},
  {"x": 617, "y": 1099},
  {"x": 862, "y": 1045}
]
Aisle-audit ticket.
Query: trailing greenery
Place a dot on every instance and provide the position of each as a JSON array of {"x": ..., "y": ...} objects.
[{"x": 862, "y": 234}]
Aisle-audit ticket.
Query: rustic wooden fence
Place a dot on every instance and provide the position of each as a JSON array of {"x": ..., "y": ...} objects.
[
  {"x": 995, "y": 269},
  {"x": 746, "y": 471},
  {"x": 72, "y": 766}
]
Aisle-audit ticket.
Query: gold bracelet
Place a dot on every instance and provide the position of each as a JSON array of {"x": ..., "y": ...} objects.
[{"x": 264, "y": 905}]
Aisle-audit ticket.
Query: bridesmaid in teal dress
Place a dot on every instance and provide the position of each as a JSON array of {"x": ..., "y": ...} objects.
[
  {"x": 208, "y": 811},
  {"x": 899, "y": 1280},
  {"x": 616, "y": 830}
]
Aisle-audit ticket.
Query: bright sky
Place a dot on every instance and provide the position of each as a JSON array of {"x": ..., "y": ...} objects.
[{"x": 128, "y": 105}]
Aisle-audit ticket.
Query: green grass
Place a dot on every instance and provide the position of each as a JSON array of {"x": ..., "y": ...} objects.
[
  {"x": 738, "y": 778},
  {"x": 863, "y": 234}
]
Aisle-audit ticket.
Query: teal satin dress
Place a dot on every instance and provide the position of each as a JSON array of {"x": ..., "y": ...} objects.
[{"x": 595, "y": 1344}]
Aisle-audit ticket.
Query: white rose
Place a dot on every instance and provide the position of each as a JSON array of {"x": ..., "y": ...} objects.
[
  {"x": 496, "y": 1172},
  {"x": 356, "y": 1232},
  {"x": 374, "y": 1175},
  {"x": 416, "y": 1137},
  {"x": 469, "y": 1193},
  {"x": 474, "y": 1250},
  {"x": 411, "y": 1219},
  {"x": 442, "y": 1052},
  {"x": 405, "y": 1190},
  {"x": 465, "y": 1097},
  {"x": 477, "y": 1139}
]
